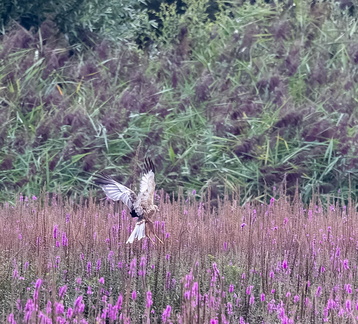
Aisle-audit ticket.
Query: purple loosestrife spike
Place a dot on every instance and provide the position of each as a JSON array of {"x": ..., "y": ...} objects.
[
  {"x": 59, "y": 309},
  {"x": 69, "y": 312},
  {"x": 149, "y": 301},
  {"x": 112, "y": 312},
  {"x": 101, "y": 280},
  {"x": 134, "y": 295},
  {"x": 318, "y": 291},
  {"x": 119, "y": 302},
  {"x": 78, "y": 306},
  {"x": 62, "y": 291},
  {"x": 55, "y": 231},
  {"x": 89, "y": 267},
  {"x": 143, "y": 261},
  {"x": 48, "y": 307},
  {"x": 166, "y": 314},
  {"x": 110, "y": 255},
  {"x": 262, "y": 297},
  {"x": 37, "y": 288},
  {"x": 29, "y": 308},
  {"x": 346, "y": 264},
  {"x": 331, "y": 304},
  {"x": 64, "y": 239},
  {"x": 89, "y": 290},
  {"x": 252, "y": 300},
  {"x": 249, "y": 290},
  {"x": 348, "y": 305},
  {"x": 11, "y": 319},
  {"x": 231, "y": 288},
  {"x": 229, "y": 308},
  {"x": 15, "y": 273},
  {"x": 348, "y": 288},
  {"x": 284, "y": 264},
  {"x": 98, "y": 265}
]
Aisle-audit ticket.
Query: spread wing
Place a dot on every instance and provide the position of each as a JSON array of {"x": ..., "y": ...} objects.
[
  {"x": 147, "y": 186},
  {"x": 116, "y": 191}
]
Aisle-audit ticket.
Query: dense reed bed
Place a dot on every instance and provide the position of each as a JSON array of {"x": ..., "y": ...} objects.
[{"x": 281, "y": 262}]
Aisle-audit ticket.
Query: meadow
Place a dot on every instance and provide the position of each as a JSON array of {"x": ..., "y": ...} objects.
[{"x": 221, "y": 262}]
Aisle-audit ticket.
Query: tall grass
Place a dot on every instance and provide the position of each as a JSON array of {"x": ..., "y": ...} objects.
[
  {"x": 281, "y": 262},
  {"x": 260, "y": 94}
]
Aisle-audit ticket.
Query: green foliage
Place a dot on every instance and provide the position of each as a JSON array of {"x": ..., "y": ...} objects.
[
  {"x": 82, "y": 20},
  {"x": 259, "y": 95}
]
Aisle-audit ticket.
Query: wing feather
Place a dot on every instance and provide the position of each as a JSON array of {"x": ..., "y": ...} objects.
[
  {"x": 147, "y": 186},
  {"x": 116, "y": 191}
]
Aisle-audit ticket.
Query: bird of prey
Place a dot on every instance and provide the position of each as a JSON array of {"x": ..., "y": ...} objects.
[{"x": 140, "y": 206}]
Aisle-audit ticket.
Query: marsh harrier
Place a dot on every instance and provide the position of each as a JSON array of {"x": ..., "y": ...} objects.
[{"x": 140, "y": 206}]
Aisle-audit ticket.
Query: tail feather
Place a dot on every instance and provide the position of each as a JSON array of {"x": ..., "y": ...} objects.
[{"x": 138, "y": 232}]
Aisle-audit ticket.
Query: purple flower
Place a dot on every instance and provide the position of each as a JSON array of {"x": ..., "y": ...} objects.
[
  {"x": 101, "y": 280},
  {"x": 37, "y": 288},
  {"x": 11, "y": 319},
  {"x": 346, "y": 264},
  {"x": 318, "y": 291},
  {"x": 166, "y": 314},
  {"x": 98, "y": 265},
  {"x": 134, "y": 295},
  {"x": 64, "y": 239},
  {"x": 231, "y": 288},
  {"x": 262, "y": 297},
  {"x": 252, "y": 299},
  {"x": 149, "y": 302},
  {"x": 62, "y": 291},
  {"x": 78, "y": 305},
  {"x": 15, "y": 273},
  {"x": 243, "y": 225},
  {"x": 249, "y": 290},
  {"x": 348, "y": 306},
  {"x": 348, "y": 288},
  {"x": 69, "y": 312},
  {"x": 119, "y": 302},
  {"x": 89, "y": 267},
  {"x": 59, "y": 309},
  {"x": 284, "y": 264}
]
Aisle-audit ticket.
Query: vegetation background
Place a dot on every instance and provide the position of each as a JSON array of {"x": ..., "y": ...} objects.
[{"x": 221, "y": 94}]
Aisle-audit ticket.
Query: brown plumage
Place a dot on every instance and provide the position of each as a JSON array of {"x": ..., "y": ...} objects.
[{"x": 141, "y": 205}]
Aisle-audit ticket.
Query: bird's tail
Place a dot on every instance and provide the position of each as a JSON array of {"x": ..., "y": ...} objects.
[{"x": 138, "y": 232}]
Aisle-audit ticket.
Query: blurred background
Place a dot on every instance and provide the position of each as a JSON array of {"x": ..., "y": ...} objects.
[{"x": 224, "y": 96}]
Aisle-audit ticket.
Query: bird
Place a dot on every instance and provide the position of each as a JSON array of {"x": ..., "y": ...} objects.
[{"x": 141, "y": 206}]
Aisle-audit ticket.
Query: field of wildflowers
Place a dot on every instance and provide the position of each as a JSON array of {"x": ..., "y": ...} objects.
[{"x": 281, "y": 262}]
